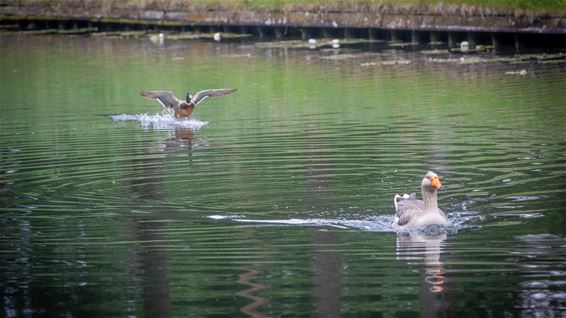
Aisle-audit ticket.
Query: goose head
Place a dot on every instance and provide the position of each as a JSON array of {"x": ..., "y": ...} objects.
[
  {"x": 189, "y": 97},
  {"x": 431, "y": 182}
]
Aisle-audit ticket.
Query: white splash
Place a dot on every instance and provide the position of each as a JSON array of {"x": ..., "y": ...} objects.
[
  {"x": 160, "y": 121},
  {"x": 375, "y": 224},
  {"x": 380, "y": 223}
]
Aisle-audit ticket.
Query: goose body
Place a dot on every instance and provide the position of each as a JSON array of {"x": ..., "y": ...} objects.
[
  {"x": 410, "y": 212},
  {"x": 180, "y": 108}
]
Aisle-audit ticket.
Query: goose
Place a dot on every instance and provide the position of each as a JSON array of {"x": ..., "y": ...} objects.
[
  {"x": 411, "y": 212},
  {"x": 184, "y": 108}
]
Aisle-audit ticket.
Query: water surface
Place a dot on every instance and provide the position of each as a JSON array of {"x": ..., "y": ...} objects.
[{"x": 276, "y": 200}]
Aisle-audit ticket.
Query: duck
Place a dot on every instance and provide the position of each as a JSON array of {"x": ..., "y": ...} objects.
[
  {"x": 411, "y": 212},
  {"x": 180, "y": 108}
]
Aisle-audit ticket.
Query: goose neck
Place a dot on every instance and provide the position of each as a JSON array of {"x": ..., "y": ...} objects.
[{"x": 430, "y": 199}]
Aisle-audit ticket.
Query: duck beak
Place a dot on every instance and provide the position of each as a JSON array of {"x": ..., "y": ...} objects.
[{"x": 436, "y": 183}]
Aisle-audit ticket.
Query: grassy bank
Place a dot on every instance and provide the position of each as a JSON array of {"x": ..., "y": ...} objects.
[
  {"x": 424, "y": 6},
  {"x": 531, "y": 5}
]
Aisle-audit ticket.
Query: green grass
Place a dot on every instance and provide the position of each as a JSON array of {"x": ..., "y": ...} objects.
[{"x": 531, "y": 5}]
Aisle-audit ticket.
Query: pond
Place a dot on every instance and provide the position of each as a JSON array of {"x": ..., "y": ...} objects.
[{"x": 277, "y": 200}]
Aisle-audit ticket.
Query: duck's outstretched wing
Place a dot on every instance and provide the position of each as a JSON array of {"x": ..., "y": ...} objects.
[
  {"x": 406, "y": 207},
  {"x": 165, "y": 98},
  {"x": 202, "y": 95}
]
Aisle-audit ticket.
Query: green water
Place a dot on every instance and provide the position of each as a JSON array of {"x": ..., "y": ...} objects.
[{"x": 275, "y": 200}]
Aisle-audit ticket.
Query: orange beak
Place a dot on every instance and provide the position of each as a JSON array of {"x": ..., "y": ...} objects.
[{"x": 436, "y": 183}]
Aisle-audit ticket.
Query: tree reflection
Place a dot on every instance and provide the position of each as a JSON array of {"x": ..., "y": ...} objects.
[{"x": 153, "y": 260}]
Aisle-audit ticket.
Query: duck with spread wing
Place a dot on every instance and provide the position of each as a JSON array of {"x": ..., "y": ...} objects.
[{"x": 180, "y": 108}]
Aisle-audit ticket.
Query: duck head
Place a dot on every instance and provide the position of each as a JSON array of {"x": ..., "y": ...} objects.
[{"x": 189, "y": 97}]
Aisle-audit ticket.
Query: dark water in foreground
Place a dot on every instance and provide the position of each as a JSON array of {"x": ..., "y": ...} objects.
[{"x": 276, "y": 200}]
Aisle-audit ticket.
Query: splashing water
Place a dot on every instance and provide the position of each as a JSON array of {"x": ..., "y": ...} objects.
[
  {"x": 160, "y": 121},
  {"x": 370, "y": 225},
  {"x": 381, "y": 223}
]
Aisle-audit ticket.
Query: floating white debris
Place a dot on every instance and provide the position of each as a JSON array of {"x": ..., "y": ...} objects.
[
  {"x": 385, "y": 63},
  {"x": 335, "y": 43},
  {"x": 464, "y": 46},
  {"x": 157, "y": 38},
  {"x": 226, "y": 217},
  {"x": 522, "y": 72},
  {"x": 312, "y": 44}
]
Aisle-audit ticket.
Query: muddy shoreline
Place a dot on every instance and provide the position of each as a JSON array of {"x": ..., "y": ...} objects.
[{"x": 456, "y": 18}]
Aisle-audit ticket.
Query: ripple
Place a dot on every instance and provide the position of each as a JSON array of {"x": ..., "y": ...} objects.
[{"x": 297, "y": 179}]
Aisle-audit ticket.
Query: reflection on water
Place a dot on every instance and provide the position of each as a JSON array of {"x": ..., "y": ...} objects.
[
  {"x": 276, "y": 202},
  {"x": 327, "y": 268},
  {"x": 184, "y": 136},
  {"x": 153, "y": 260},
  {"x": 412, "y": 246},
  {"x": 253, "y": 308},
  {"x": 155, "y": 267},
  {"x": 426, "y": 250},
  {"x": 544, "y": 287}
]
